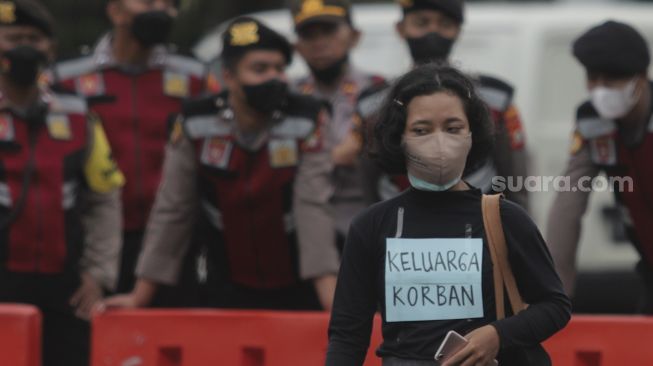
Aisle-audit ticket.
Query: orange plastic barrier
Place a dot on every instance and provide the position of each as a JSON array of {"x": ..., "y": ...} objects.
[
  {"x": 20, "y": 335},
  {"x": 224, "y": 338},
  {"x": 210, "y": 337},
  {"x": 603, "y": 341}
]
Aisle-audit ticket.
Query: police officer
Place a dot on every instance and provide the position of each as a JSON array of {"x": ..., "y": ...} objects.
[
  {"x": 326, "y": 36},
  {"x": 431, "y": 28},
  {"x": 231, "y": 167},
  {"x": 59, "y": 202},
  {"x": 614, "y": 134},
  {"x": 134, "y": 83}
]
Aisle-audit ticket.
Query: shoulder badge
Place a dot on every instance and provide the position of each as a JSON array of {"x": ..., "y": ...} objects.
[
  {"x": 101, "y": 171},
  {"x": 90, "y": 85},
  {"x": 177, "y": 131},
  {"x": 59, "y": 127},
  {"x": 514, "y": 128},
  {"x": 216, "y": 152},
  {"x": 176, "y": 84},
  {"x": 283, "y": 153},
  {"x": 604, "y": 150},
  {"x": 314, "y": 142},
  {"x": 576, "y": 143}
]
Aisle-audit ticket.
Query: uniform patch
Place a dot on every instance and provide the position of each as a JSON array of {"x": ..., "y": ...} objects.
[
  {"x": 90, "y": 85},
  {"x": 216, "y": 152},
  {"x": 514, "y": 128},
  {"x": 314, "y": 142},
  {"x": 283, "y": 153},
  {"x": 176, "y": 84},
  {"x": 307, "y": 88},
  {"x": 177, "y": 131},
  {"x": 212, "y": 83},
  {"x": 101, "y": 170},
  {"x": 350, "y": 88},
  {"x": 576, "y": 143},
  {"x": 7, "y": 132},
  {"x": 604, "y": 150},
  {"x": 59, "y": 127}
]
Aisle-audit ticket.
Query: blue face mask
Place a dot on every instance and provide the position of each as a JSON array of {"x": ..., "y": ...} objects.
[{"x": 423, "y": 185}]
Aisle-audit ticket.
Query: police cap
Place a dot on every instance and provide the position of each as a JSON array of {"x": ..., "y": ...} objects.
[
  {"x": 26, "y": 12},
  {"x": 247, "y": 34},
  {"x": 455, "y": 9},
  {"x": 305, "y": 12},
  {"x": 613, "y": 48}
]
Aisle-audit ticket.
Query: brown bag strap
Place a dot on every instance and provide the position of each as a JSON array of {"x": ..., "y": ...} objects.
[{"x": 502, "y": 272}]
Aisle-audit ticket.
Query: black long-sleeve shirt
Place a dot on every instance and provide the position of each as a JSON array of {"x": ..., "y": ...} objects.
[{"x": 361, "y": 282}]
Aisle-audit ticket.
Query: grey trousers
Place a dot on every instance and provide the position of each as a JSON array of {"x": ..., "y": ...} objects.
[{"x": 393, "y": 361}]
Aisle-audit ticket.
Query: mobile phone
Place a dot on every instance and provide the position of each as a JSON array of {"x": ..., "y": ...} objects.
[{"x": 452, "y": 343}]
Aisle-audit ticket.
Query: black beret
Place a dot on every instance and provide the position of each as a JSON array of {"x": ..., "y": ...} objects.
[
  {"x": 613, "y": 48},
  {"x": 246, "y": 34},
  {"x": 26, "y": 12},
  {"x": 455, "y": 9}
]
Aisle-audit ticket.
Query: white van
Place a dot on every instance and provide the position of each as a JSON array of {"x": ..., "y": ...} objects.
[{"x": 528, "y": 45}]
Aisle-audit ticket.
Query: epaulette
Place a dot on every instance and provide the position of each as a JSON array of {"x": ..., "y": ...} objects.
[
  {"x": 371, "y": 99},
  {"x": 185, "y": 65},
  {"x": 496, "y": 93},
  {"x": 204, "y": 104},
  {"x": 201, "y": 117},
  {"x": 301, "y": 116},
  {"x": 590, "y": 125},
  {"x": 73, "y": 68},
  {"x": 304, "y": 105},
  {"x": 67, "y": 103}
]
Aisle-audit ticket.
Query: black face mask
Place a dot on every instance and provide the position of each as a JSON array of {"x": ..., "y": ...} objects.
[
  {"x": 266, "y": 97},
  {"x": 23, "y": 64},
  {"x": 152, "y": 27},
  {"x": 429, "y": 47},
  {"x": 332, "y": 72}
]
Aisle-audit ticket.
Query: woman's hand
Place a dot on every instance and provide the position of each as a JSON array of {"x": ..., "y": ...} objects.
[{"x": 481, "y": 349}]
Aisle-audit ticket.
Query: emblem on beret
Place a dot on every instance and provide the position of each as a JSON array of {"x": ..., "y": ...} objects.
[
  {"x": 312, "y": 6},
  {"x": 244, "y": 34},
  {"x": 7, "y": 12}
]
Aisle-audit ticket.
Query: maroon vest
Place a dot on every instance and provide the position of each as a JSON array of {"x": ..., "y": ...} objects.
[
  {"x": 42, "y": 232},
  {"x": 619, "y": 161},
  {"x": 246, "y": 196},
  {"x": 135, "y": 109}
]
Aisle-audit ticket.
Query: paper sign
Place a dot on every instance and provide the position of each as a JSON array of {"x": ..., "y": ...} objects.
[{"x": 433, "y": 279}]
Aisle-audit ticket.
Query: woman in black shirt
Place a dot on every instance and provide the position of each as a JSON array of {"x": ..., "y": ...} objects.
[{"x": 422, "y": 257}]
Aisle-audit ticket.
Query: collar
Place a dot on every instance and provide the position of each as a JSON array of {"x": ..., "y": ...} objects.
[
  {"x": 104, "y": 58},
  {"x": 348, "y": 86}
]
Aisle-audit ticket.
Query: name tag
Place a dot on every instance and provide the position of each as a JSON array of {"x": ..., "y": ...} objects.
[{"x": 433, "y": 279}]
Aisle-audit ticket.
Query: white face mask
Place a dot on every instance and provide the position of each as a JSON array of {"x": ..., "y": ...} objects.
[{"x": 612, "y": 103}]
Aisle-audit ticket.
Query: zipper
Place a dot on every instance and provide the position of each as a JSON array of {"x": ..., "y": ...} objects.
[
  {"x": 31, "y": 164},
  {"x": 39, "y": 223},
  {"x": 251, "y": 211},
  {"x": 137, "y": 146}
]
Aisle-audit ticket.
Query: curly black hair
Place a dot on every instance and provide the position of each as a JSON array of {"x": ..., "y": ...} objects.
[{"x": 386, "y": 145}]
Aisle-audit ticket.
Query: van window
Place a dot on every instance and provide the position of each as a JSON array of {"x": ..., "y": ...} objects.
[{"x": 560, "y": 80}]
